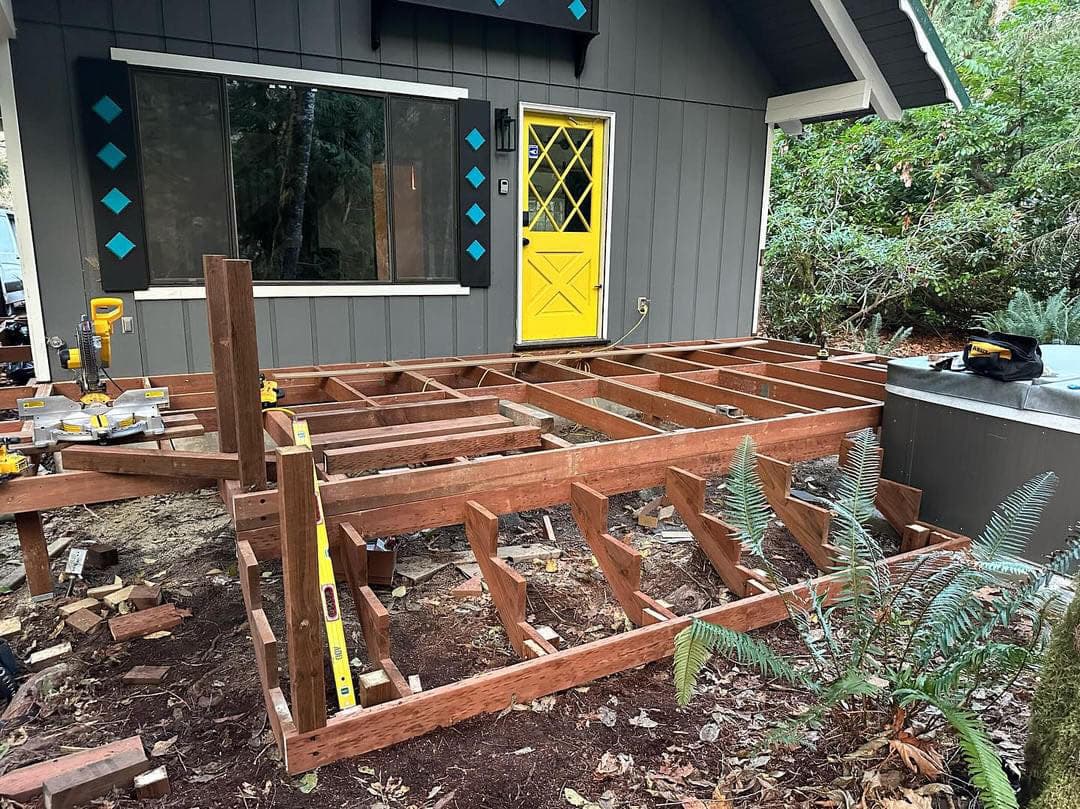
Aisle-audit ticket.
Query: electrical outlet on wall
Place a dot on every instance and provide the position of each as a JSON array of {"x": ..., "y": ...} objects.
[
  {"x": 127, "y": 325},
  {"x": 643, "y": 305}
]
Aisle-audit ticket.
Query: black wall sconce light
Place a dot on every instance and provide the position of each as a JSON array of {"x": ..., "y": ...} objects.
[{"x": 505, "y": 131}]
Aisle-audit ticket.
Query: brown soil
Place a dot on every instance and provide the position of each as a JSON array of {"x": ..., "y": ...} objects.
[{"x": 583, "y": 739}]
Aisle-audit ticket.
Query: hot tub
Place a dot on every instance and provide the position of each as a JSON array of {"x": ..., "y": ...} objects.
[{"x": 968, "y": 441}]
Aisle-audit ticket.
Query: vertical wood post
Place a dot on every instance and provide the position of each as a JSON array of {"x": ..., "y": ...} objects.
[
  {"x": 244, "y": 350},
  {"x": 300, "y": 566},
  {"x": 217, "y": 314},
  {"x": 35, "y": 554}
]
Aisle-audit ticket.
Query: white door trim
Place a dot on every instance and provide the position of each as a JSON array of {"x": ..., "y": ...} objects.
[
  {"x": 609, "y": 178},
  {"x": 23, "y": 231}
]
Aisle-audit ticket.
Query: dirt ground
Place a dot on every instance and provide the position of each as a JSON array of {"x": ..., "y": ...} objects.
[{"x": 618, "y": 742}]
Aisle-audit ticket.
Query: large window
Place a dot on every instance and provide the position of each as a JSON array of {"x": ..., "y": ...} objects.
[{"x": 311, "y": 184}]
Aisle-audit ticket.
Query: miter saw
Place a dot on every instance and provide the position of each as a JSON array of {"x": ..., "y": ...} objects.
[{"x": 95, "y": 416}]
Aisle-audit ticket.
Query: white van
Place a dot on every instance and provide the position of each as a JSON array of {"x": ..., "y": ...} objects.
[{"x": 11, "y": 284}]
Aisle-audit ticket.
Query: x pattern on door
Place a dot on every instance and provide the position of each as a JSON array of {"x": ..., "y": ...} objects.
[{"x": 562, "y": 257}]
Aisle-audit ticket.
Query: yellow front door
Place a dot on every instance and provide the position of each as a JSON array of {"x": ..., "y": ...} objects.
[{"x": 563, "y": 204}]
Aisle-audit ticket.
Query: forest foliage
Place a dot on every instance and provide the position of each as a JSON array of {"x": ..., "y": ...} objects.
[{"x": 944, "y": 215}]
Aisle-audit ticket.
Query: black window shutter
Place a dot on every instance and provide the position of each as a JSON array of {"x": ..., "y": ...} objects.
[
  {"x": 474, "y": 192},
  {"x": 108, "y": 128}
]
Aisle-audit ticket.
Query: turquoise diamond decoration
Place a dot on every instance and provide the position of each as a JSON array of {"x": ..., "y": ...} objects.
[
  {"x": 116, "y": 200},
  {"x": 499, "y": 3},
  {"x": 475, "y": 177},
  {"x": 475, "y": 139},
  {"x": 577, "y": 8},
  {"x": 120, "y": 245},
  {"x": 476, "y": 250},
  {"x": 111, "y": 155},
  {"x": 476, "y": 214},
  {"x": 107, "y": 109}
]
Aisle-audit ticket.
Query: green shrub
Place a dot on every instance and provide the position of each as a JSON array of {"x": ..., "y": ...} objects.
[
  {"x": 912, "y": 643},
  {"x": 1054, "y": 320}
]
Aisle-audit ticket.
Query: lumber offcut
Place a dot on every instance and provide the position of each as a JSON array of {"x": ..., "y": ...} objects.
[
  {"x": 26, "y": 782},
  {"x": 94, "y": 778},
  {"x": 146, "y": 622}
]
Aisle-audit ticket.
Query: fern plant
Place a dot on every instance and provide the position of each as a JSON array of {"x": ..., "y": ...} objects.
[
  {"x": 1054, "y": 320},
  {"x": 906, "y": 646},
  {"x": 875, "y": 342}
]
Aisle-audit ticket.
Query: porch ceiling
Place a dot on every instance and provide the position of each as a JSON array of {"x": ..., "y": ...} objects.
[{"x": 797, "y": 49}]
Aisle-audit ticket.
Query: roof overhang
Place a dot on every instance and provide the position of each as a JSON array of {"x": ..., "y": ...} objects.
[
  {"x": 7, "y": 20},
  {"x": 847, "y": 58}
]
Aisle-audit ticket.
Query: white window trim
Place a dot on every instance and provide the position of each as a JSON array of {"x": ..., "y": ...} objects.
[
  {"x": 291, "y": 75},
  {"x": 605, "y": 240},
  {"x": 357, "y": 290},
  {"x": 288, "y": 75},
  {"x": 24, "y": 233}
]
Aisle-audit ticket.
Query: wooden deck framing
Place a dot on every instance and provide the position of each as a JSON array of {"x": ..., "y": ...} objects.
[{"x": 412, "y": 444}]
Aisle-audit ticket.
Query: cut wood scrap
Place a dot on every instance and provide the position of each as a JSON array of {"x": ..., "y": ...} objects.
[
  {"x": 101, "y": 555},
  {"x": 375, "y": 687},
  {"x": 15, "y": 577},
  {"x": 424, "y": 450},
  {"x": 10, "y": 626},
  {"x": 83, "y": 620},
  {"x": 94, "y": 779},
  {"x": 138, "y": 461},
  {"x": 552, "y": 441},
  {"x": 914, "y": 537},
  {"x": 648, "y": 521},
  {"x": 506, "y": 585},
  {"x": 472, "y": 588},
  {"x": 75, "y": 606},
  {"x": 43, "y": 658},
  {"x": 414, "y": 683},
  {"x": 145, "y": 596},
  {"x": 145, "y": 675},
  {"x": 25, "y": 783},
  {"x": 153, "y": 783},
  {"x": 104, "y": 590},
  {"x": 808, "y": 524},
  {"x": 549, "y": 529},
  {"x": 118, "y": 597},
  {"x": 146, "y": 622}
]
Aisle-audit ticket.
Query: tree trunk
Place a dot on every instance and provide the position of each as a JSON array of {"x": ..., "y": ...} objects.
[
  {"x": 289, "y": 233},
  {"x": 1052, "y": 780}
]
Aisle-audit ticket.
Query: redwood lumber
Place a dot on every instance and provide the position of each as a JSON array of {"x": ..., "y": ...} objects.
[
  {"x": 814, "y": 378},
  {"x": 94, "y": 779},
  {"x": 375, "y": 688},
  {"x": 499, "y": 361},
  {"x": 353, "y": 734},
  {"x": 16, "y": 354},
  {"x": 759, "y": 407},
  {"x": 525, "y": 416},
  {"x": 153, "y": 784},
  {"x": 424, "y": 450},
  {"x": 375, "y": 624},
  {"x": 809, "y": 524},
  {"x": 217, "y": 316},
  {"x": 244, "y": 351},
  {"x": 790, "y": 392},
  {"x": 619, "y": 562},
  {"x": 49, "y": 492},
  {"x": 405, "y": 432},
  {"x": 363, "y": 418},
  {"x": 719, "y": 543},
  {"x": 35, "y": 551},
  {"x": 25, "y": 783},
  {"x": 552, "y": 441},
  {"x": 145, "y": 622},
  {"x": 300, "y": 568},
  {"x": 913, "y": 537},
  {"x": 167, "y": 463},
  {"x": 610, "y": 424},
  {"x": 506, "y": 585},
  {"x": 684, "y": 412},
  {"x": 145, "y": 675},
  {"x": 899, "y": 504}
]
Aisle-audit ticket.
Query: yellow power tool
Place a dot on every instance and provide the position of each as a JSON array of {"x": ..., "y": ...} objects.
[
  {"x": 12, "y": 462},
  {"x": 96, "y": 416}
]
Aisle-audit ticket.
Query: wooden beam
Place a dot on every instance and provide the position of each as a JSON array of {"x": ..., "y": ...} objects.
[
  {"x": 35, "y": 554},
  {"x": 300, "y": 569},
  {"x": 758, "y": 407},
  {"x": 74, "y": 488},
  {"x": 217, "y": 316},
  {"x": 808, "y": 523},
  {"x": 405, "y": 432},
  {"x": 169, "y": 463},
  {"x": 899, "y": 504},
  {"x": 665, "y": 406},
  {"x": 244, "y": 351},
  {"x": 361, "y": 419},
  {"x": 852, "y": 96},
  {"x": 610, "y": 424},
  {"x": 353, "y": 734},
  {"x": 424, "y": 450}
]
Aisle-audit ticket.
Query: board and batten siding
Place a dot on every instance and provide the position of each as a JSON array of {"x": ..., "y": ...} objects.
[{"x": 690, "y": 142}]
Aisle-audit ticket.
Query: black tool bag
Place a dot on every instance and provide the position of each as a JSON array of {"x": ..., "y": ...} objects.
[
  {"x": 1005, "y": 357},
  {"x": 10, "y": 668}
]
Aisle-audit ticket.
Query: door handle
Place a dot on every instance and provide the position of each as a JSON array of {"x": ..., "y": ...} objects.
[{"x": 525, "y": 241}]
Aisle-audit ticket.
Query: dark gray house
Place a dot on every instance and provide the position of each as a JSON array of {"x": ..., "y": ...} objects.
[{"x": 424, "y": 177}]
